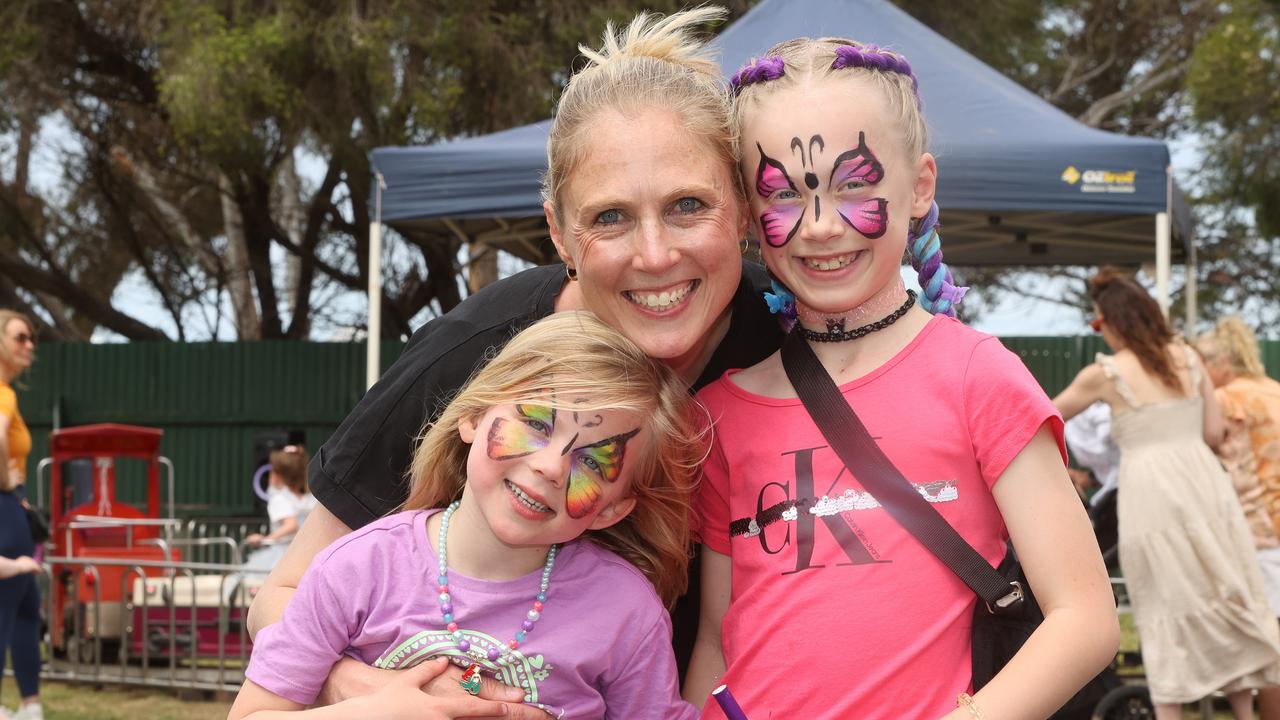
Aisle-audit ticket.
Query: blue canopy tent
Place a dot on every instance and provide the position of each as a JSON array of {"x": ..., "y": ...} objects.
[{"x": 1020, "y": 182}]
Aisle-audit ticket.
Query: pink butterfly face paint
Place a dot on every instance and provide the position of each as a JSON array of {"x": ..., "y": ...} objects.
[
  {"x": 783, "y": 207},
  {"x": 529, "y": 433},
  {"x": 592, "y": 466},
  {"x": 852, "y": 170}
]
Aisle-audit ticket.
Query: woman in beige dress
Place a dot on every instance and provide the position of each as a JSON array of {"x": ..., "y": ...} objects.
[{"x": 1185, "y": 549}]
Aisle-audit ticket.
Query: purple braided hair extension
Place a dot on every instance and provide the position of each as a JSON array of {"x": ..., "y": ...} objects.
[
  {"x": 872, "y": 57},
  {"x": 758, "y": 70},
  {"x": 925, "y": 247}
]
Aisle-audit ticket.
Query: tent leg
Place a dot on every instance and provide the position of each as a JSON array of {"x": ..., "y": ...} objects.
[
  {"x": 1163, "y": 261},
  {"x": 373, "y": 360}
]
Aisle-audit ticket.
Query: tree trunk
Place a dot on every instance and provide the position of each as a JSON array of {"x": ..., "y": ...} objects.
[
  {"x": 239, "y": 287},
  {"x": 482, "y": 270}
]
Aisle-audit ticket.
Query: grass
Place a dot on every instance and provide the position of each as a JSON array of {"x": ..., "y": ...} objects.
[{"x": 66, "y": 701}]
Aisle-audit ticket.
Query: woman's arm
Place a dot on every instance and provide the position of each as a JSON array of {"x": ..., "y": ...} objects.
[
  {"x": 10, "y": 568},
  {"x": 1215, "y": 423},
  {"x": 8, "y": 481},
  {"x": 1086, "y": 389},
  {"x": 707, "y": 666},
  {"x": 318, "y": 532},
  {"x": 1058, "y": 551}
]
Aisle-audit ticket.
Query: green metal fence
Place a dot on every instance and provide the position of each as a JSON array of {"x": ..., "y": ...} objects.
[
  {"x": 209, "y": 398},
  {"x": 212, "y": 398}
]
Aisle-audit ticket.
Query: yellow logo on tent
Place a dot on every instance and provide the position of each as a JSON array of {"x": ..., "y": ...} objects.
[{"x": 1101, "y": 181}]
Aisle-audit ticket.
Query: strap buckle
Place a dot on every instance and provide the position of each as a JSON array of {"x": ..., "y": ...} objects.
[{"x": 1012, "y": 601}]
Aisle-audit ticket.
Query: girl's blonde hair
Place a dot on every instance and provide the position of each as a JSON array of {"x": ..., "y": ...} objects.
[
  {"x": 576, "y": 355},
  {"x": 6, "y": 356},
  {"x": 290, "y": 463},
  {"x": 655, "y": 62},
  {"x": 807, "y": 59},
  {"x": 1232, "y": 341}
]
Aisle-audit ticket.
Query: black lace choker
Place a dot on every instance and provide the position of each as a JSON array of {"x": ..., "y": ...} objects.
[{"x": 835, "y": 327}]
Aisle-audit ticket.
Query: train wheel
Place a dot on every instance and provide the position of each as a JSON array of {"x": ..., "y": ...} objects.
[{"x": 1127, "y": 702}]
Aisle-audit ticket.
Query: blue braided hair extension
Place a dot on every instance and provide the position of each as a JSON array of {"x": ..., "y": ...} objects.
[{"x": 925, "y": 247}]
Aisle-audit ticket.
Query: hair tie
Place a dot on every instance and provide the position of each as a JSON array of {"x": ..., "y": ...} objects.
[
  {"x": 758, "y": 70},
  {"x": 872, "y": 57},
  {"x": 781, "y": 302}
]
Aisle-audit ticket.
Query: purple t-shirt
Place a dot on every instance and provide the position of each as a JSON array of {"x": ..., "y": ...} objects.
[{"x": 602, "y": 648}]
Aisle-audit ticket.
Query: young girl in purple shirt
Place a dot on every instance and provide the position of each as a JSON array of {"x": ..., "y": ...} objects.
[{"x": 545, "y": 533}]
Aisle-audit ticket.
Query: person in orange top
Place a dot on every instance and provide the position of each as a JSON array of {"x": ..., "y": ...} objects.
[
  {"x": 1235, "y": 365},
  {"x": 19, "y": 595}
]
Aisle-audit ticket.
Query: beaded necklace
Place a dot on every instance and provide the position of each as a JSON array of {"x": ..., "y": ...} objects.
[
  {"x": 836, "y": 332},
  {"x": 446, "y": 600}
]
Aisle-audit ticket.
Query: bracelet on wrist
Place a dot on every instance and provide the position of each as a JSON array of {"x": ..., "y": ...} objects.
[{"x": 967, "y": 702}]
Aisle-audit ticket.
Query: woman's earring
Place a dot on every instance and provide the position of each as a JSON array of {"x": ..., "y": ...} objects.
[
  {"x": 571, "y": 272},
  {"x": 913, "y": 227}
]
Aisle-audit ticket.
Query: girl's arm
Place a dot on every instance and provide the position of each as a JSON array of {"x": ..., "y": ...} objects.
[
  {"x": 401, "y": 699},
  {"x": 1086, "y": 389},
  {"x": 707, "y": 666},
  {"x": 288, "y": 526},
  {"x": 1053, "y": 539},
  {"x": 1215, "y": 423}
]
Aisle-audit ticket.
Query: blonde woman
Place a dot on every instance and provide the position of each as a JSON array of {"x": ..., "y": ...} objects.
[
  {"x": 1250, "y": 451},
  {"x": 19, "y": 596}
]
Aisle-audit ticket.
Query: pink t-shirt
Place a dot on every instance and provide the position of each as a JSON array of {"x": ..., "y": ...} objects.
[{"x": 836, "y": 610}]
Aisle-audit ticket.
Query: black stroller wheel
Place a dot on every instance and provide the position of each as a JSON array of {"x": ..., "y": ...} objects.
[{"x": 1128, "y": 702}]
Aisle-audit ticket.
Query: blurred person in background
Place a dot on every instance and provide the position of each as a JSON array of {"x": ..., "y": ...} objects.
[
  {"x": 1185, "y": 548},
  {"x": 19, "y": 595},
  {"x": 1088, "y": 437},
  {"x": 1250, "y": 451}
]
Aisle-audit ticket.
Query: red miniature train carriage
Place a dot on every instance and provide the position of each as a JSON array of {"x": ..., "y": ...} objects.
[{"x": 102, "y": 527}]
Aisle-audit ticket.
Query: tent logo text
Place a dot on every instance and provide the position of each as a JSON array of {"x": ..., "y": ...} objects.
[{"x": 1104, "y": 181}]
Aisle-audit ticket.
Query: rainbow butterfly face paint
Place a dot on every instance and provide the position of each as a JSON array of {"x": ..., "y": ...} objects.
[
  {"x": 591, "y": 465},
  {"x": 528, "y": 433}
]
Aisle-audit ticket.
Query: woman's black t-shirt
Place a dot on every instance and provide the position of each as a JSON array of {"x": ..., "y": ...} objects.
[{"x": 360, "y": 473}]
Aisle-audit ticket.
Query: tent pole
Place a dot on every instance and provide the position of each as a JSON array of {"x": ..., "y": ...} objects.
[
  {"x": 1162, "y": 262},
  {"x": 373, "y": 359},
  {"x": 1193, "y": 311}
]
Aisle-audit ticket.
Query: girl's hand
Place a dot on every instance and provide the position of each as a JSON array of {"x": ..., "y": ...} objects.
[
  {"x": 351, "y": 678},
  {"x": 25, "y": 564},
  {"x": 253, "y": 539}
]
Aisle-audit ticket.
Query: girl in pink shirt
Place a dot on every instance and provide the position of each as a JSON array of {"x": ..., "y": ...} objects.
[
  {"x": 816, "y": 603},
  {"x": 564, "y": 469}
]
